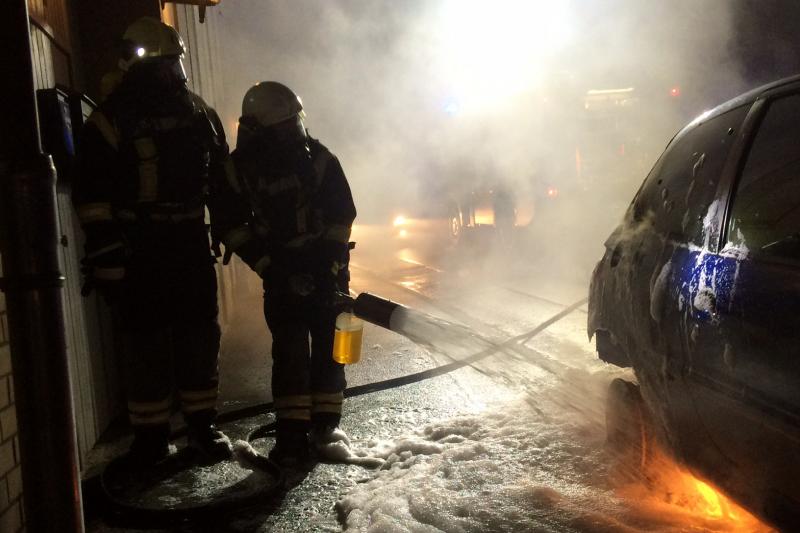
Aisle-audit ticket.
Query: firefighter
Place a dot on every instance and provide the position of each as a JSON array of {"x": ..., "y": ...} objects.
[
  {"x": 148, "y": 154},
  {"x": 287, "y": 211}
]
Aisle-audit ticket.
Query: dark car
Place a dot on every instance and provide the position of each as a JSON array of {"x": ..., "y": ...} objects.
[{"x": 699, "y": 292}]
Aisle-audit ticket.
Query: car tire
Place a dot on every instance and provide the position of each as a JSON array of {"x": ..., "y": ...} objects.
[
  {"x": 628, "y": 431},
  {"x": 454, "y": 225}
]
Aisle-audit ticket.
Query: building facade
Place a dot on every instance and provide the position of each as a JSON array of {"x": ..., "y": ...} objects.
[{"x": 73, "y": 44}]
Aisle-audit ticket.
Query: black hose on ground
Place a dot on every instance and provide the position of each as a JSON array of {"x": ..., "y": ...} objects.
[{"x": 128, "y": 513}]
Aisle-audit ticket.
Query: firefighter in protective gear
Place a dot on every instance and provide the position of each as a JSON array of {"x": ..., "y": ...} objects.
[
  {"x": 148, "y": 155},
  {"x": 287, "y": 211}
]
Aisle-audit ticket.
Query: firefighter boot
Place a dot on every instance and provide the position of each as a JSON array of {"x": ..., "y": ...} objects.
[
  {"x": 210, "y": 444},
  {"x": 291, "y": 444},
  {"x": 150, "y": 444},
  {"x": 326, "y": 435}
]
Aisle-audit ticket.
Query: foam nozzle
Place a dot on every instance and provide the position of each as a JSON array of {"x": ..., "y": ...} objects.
[{"x": 375, "y": 309}]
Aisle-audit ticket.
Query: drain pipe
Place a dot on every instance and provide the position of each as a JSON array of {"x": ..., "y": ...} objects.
[{"x": 33, "y": 286}]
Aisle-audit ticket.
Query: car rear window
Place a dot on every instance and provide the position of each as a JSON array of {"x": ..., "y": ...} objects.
[
  {"x": 765, "y": 216},
  {"x": 682, "y": 185}
]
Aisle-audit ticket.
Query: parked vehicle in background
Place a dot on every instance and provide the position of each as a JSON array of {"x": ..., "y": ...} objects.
[
  {"x": 496, "y": 209},
  {"x": 699, "y": 292},
  {"x": 479, "y": 213}
]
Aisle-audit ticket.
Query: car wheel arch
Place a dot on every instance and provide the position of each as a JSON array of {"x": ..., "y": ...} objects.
[{"x": 610, "y": 350}]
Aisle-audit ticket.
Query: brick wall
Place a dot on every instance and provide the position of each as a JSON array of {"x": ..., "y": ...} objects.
[{"x": 10, "y": 472}]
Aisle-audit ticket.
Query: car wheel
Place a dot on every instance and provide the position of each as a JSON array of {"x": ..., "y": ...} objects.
[
  {"x": 628, "y": 430},
  {"x": 454, "y": 223}
]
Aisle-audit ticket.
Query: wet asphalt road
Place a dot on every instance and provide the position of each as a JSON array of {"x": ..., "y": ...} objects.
[{"x": 497, "y": 297}]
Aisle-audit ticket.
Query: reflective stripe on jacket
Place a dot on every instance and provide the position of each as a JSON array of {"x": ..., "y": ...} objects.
[{"x": 145, "y": 163}]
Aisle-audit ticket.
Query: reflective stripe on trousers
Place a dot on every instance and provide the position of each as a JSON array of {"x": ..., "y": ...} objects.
[
  {"x": 294, "y": 407},
  {"x": 170, "y": 337},
  {"x": 148, "y": 413},
  {"x": 300, "y": 370},
  {"x": 193, "y": 401}
]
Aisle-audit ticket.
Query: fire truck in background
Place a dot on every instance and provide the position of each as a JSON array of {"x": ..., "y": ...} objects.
[
  {"x": 588, "y": 152},
  {"x": 619, "y": 136},
  {"x": 594, "y": 163},
  {"x": 607, "y": 144},
  {"x": 592, "y": 153}
]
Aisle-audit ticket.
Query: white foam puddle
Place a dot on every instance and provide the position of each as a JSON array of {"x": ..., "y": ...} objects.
[
  {"x": 502, "y": 470},
  {"x": 537, "y": 463},
  {"x": 511, "y": 469}
]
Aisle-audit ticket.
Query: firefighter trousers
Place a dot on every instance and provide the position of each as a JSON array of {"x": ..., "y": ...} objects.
[
  {"x": 307, "y": 384},
  {"x": 170, "y": 340}
]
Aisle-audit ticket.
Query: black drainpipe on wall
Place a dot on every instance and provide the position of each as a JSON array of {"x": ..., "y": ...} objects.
[{"x": 33, "y": 286}]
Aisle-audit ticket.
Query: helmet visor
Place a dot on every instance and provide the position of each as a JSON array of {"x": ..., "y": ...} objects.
[
  {"x": 162, "y": 74},
  {"x": 289, "y": 131}
]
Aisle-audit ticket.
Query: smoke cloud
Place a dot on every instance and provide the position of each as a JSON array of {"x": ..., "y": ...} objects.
[{"x": 427, "y": 100}]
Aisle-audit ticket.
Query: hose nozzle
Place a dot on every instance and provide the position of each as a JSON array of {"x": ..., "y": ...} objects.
[{"x": 375, "y": 309}]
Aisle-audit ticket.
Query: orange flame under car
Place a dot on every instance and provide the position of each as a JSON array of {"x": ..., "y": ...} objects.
[{"x": 673, "y": 493}]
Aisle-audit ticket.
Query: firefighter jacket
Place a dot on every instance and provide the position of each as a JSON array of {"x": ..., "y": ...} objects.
[
  {"x": 285, "y": 211},
  {"x": 143, "y": 178}
]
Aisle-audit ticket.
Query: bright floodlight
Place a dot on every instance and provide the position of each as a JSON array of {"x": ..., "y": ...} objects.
[
  {"x": 140, "y": 52},
  {"x": 493, "y": 50}
]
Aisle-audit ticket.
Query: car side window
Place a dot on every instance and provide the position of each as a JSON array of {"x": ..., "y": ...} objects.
[
  {"x": 765, "y": 216},
  {"x": 683, "y": 183}
]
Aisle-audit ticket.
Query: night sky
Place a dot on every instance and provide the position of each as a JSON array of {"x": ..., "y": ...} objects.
[{"x": 767, "y": 39}]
